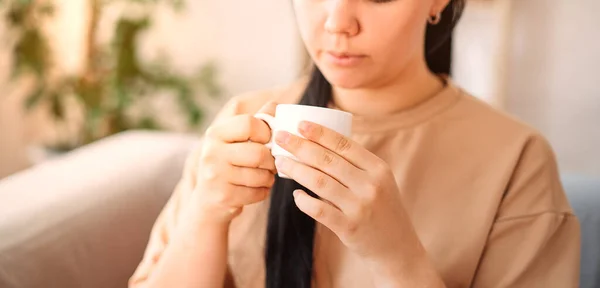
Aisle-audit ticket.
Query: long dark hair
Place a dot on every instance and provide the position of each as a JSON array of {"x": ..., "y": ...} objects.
[{"x": 290, "y": 232}]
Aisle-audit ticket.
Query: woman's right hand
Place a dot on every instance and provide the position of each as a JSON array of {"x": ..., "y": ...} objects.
[{"x": 235, "y": 168}]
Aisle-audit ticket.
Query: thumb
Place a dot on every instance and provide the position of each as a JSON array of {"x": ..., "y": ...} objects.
[{"x": 268, "y": 108}]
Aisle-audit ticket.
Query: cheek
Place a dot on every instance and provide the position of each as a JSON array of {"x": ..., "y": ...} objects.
[
  {"x": 396, "y": 35},
  {"x": 310, "y": 20}
]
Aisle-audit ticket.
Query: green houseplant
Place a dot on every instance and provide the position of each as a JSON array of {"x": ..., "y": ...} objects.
[{"x": 114, "y": 80}]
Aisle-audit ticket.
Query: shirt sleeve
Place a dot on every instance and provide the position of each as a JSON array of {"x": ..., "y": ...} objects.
[
  {"x": 165, "y": 224},
  {"x": 535, "y": 240}
]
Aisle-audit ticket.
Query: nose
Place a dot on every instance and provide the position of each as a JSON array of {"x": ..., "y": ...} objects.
[{"x": 341, "y": 18}]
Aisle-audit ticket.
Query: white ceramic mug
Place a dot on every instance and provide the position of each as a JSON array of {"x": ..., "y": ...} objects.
[{"x": 288, "y": 117}]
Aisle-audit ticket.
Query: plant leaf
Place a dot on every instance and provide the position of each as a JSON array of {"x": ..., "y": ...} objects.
[
  {"x": 35, "y": 97},
  {"x": 57, "y": 107},
  {"x": 148, "y": 123}
]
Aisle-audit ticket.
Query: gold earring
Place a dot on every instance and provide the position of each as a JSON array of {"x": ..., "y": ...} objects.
[{"x": 434, "y": 20}]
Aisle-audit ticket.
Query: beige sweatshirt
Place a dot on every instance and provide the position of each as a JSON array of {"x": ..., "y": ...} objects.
[{"x": 482, "y": 189}]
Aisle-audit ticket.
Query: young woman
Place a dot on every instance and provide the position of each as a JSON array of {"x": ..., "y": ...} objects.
[{"x": 433, "y": 189}]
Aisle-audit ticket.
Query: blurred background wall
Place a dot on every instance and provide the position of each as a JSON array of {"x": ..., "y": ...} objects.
[
  {"x": 539, "y": 61},
  {"x": 254, "y": 42},
  {"x": 554, "y": 76},
  {"x": 535, "y": 59}
]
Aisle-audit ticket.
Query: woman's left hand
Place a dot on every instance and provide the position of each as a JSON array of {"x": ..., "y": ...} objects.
[{"x": 360, "y": 201}]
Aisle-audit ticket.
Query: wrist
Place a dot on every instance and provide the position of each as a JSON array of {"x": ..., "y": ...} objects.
[
  {"x": 206, "y": 211},
  {"x": 404, "y": 270},
  {"x": 406, "y": 265},
  {"x": 203, "y": 222}
]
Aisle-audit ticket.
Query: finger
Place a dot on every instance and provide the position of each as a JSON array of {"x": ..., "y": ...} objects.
[
  {"x": 321, "y": 158},
  {"x": 320, "y": 183},
  {"x": 338, "y": 143},
  {"x": 268, "y": 108},
  {"x": 249, "y": 154},
  {"x": 241, "y": 128},
  {"x": 322, "y": 212},
  {"x": 237, "y": 196},
  {"x": 250, "y": 177}
]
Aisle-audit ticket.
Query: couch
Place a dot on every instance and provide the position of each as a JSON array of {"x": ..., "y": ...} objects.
[{"x": 83, "y": 219}]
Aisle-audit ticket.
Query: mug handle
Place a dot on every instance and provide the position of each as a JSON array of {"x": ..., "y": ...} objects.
[{"x": 270, "y": 120}]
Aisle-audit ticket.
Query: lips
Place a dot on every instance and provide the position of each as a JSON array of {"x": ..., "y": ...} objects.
[
  {"x": 343, "y": 54},
  {"x": 343, "y": 59}
]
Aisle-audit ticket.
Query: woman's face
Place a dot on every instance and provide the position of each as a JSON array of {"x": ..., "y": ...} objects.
[{"x": 365, "y": 43}]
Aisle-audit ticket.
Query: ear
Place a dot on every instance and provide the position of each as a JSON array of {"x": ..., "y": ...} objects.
[{"x": 438, "y": 6}]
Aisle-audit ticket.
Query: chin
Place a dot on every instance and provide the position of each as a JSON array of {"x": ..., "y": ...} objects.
[{"x": 346, "y": 78}]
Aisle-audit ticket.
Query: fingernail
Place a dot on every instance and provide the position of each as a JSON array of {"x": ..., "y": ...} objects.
[
  {"x": 282, "y": 137},
  {"x": 304, "y": 126},
  {"x": 296, "y": 193}
]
